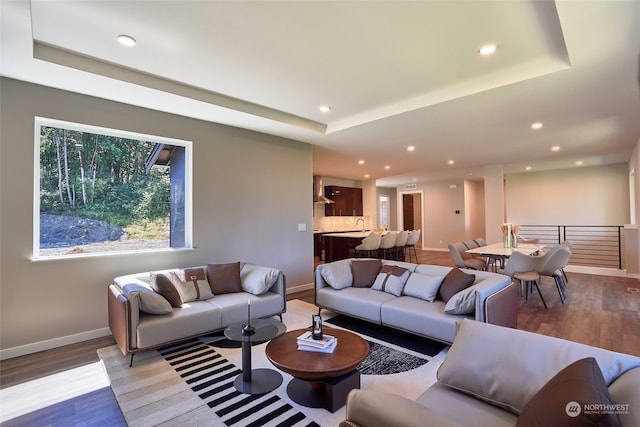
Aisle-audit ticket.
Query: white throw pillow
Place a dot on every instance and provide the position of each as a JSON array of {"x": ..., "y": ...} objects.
[
  {"x": 149, "y": 301},
  {"x": 337, "y": 274},
  {"x": 391, "y": 280},
  {"x": 191, "y": 283},
  {"x": 464, "y": 302},
  {"x": 257, "y": 279},
  {"x": 423, "y": 286}
]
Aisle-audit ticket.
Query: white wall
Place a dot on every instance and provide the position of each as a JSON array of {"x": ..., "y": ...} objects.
[
  {"x": 577, "y": 196},
  {"x": 441, "y": 225},
  {"x": 250, "y": 192}
]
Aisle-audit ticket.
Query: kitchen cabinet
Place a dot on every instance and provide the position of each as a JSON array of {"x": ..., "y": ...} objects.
[{"x": 347, "y": 201}]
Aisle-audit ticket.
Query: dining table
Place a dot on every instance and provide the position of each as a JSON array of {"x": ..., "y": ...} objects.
[{"x": 499, "y": 252}]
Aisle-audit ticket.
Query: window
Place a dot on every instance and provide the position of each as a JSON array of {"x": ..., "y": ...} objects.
[
  {"x": 383, "y": 217},
  {"x": 103, "y": 191}
]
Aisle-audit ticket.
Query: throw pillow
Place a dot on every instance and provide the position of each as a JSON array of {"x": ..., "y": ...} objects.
[
  {"x": 162, "y": 284},
  {"x": 337, "y": 274},
  {"x": 149, "y": 301},
  {"x": 224, "y": 278},
  {"x": 191, "y": 283},
  {"x": 455, "y": 281},
  {"x": 364, "y": 272},
  {"x": 391, "y": 280},
  {"x": 565, "y": 400},
  {"x": 257, "y": 279},
  {"x": 423, "y": 286},
  {"x": 464, "y": 302}
]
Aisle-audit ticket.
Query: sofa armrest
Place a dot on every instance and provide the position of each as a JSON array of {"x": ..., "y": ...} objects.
[
  {"x": 280, "y": 287},
  {"x": 119, "y": 309},
  {"x": 368, "y": 408},
  {"x": 501, "y": 308},
  {"x": 487, "y": 284}
]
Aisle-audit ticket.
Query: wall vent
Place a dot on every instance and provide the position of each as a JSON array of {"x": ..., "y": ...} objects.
[{"x": 410, "y": 187}]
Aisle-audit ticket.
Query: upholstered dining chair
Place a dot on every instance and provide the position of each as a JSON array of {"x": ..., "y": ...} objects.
[
  {"x": 524, "y": 268},
  {"x": 490, "y": 261},
  {"x": 398, "y": 247},
  {"x": 410, "y": 247},
  {"x": 463, "y": 259},
  {"x": 386, "y": 244},
  {"x": 555, "y": 262},
  {"x": 369, "y": 245}
]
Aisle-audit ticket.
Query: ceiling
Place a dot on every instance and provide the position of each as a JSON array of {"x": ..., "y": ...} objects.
[{"x": 395, "y": 74}]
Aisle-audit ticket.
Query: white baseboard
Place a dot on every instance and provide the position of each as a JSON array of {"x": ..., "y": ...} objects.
[
  {"x": 300, "y": 288},
  {"x": 35, "y": 347},
  {"x": 435, "y": 249},
  {"x": 611, "y": 272}
]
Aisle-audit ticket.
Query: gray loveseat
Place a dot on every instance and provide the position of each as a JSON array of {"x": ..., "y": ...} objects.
[
  {"x": 496, "y": 376},
  {"x": 410, "y": 299},
  {"x": 152, "y": 309}
]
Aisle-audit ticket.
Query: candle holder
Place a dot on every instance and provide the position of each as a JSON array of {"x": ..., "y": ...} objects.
[
  {"x": 316, "y": 330},
  {"x": 248, "y": 329}
]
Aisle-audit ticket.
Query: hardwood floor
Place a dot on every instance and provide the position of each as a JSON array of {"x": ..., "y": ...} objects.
[{"x": 600, "y": 311}]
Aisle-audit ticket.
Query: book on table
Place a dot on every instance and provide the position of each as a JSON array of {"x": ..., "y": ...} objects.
[{"x": 327, "y": 344}]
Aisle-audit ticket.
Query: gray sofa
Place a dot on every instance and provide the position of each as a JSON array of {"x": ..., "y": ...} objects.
[
  {"x": 414, "y": 306},
  {"x": 496, "y": 376},
  {"x": 144, "y": 315}
]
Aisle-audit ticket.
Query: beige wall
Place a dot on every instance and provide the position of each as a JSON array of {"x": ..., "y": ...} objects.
[
  {"x": 250, "y": 192},
  {"x": 441, "y": 225},
  {"x": 474, "y": 209}
]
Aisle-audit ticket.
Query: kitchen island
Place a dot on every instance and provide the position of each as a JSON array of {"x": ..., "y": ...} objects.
[{"x": 340, "y": 245}]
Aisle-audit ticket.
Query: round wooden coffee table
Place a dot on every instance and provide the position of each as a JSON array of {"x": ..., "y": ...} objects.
[{"x": 321, "y": 380}]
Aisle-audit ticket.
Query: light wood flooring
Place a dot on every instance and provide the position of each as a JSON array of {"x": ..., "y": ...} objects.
[{"x": 600, "y": 311}]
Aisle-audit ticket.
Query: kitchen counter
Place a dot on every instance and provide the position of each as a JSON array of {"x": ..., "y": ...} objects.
[{"x": 349, "y": 234}]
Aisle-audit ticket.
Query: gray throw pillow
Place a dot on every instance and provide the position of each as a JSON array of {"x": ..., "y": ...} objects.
[
  {"x": 149, "y": 301},
  {"x": 422, "y": 286}
]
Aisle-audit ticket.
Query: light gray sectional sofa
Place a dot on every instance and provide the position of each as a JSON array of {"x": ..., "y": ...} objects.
[
  {"x": 499, "y": 377},
  {"x": 152, "y": 309},
  {"x": 410, "y": 299}
]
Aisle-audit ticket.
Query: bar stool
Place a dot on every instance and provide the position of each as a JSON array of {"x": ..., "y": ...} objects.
[
  {"x": 527, "y": 279},
  {"x": 387, "y": 243},
  {"x": 411, "y": 245},
  {"x": 398, "y": 247},
  {"x": 369, "y": 245}
]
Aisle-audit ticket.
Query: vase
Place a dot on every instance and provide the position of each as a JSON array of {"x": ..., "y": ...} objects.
[
  {"x": 514, "y": 242},
  {"x": 507, "y": 241}
]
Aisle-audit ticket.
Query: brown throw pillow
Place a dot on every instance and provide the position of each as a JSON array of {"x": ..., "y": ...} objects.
[
  {"x": 455, "y": 281},
  {"x": 575, "y": 396},
  {"x": 224, "y": 278},
  {"x": 365, "y": 272},
  {"x": 162, "y": 284}
]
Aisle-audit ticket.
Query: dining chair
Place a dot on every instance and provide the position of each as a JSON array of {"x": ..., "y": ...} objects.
[
  {"x": 555, "y": 261},
  {"x": 524, "y": 268},
  {"x": 369, "y": 245},
  {"x": 463, "y": 259},
  {"x": 489, "y": 261},
  {"x": 386, "y": 244},
  {"x": 411, "y": 245},
  {"x": 398, "y": 247}
]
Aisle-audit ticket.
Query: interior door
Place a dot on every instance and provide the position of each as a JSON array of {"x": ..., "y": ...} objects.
[{"x": 407, "y": 211}]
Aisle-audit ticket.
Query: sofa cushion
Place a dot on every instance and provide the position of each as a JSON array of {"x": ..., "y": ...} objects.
[
  {"x": 464, "y": 302},
  {"x": 391, "y": 279},
  {"x": 191, "y": 283},
  {"x": 337, "y": 274},
  {"x": 423, "y": 286},
  {"x": 507, "y": 379},
  {"x": 565, "y": 399},
  {"x": 162, "y": 284},
  {"x": 365, "y": 272},
  {"x": 455, "y": 281},
  {"x": 224, "y": 278},
  {"x": 149, "y": 302},
  {"x": 257, "y": 279}
]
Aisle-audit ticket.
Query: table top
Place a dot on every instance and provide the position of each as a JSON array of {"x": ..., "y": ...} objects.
[
  {"x": 264, "y": 329},
  {"x": 498, "y": 249},
  {"x": 308, "y": 365}
]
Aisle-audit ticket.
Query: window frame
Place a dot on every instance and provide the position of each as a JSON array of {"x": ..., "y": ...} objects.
[{"x": 39, "y": 122}]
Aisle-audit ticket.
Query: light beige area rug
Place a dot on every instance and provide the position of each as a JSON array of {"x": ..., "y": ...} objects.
[{"x": 192, "y": 384}]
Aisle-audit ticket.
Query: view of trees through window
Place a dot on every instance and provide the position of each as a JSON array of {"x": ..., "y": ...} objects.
[{"x": 100, "y": 193}]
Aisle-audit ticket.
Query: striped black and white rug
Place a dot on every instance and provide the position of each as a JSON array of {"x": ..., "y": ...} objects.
[{"x": 191, "y": 384}]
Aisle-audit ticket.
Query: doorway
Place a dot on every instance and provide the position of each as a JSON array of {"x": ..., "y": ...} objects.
[{"x": 412, "y": 211}]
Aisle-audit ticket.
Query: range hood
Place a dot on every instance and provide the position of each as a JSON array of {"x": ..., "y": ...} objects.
[{"x": 318, "y": 189}]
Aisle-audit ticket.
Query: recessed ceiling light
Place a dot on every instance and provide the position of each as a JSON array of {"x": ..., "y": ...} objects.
[
  {"x": 411, "y": 148},
  {"x": 325, "y": 108},
  {"x": 579, "y": 163},
  {"x": 488, "y": 49},
  {"x": 387, "y": 167},
  {"x": 536, "y": 125},
  {"x": 451, "y": 162},
  {"x": 555, "y": 148},
  {"x": 528, "y": 168},
  {"x": 126, "y": 40},
  {"x": 361, "y": 162},
  {"x": 366, "y": 175}
]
